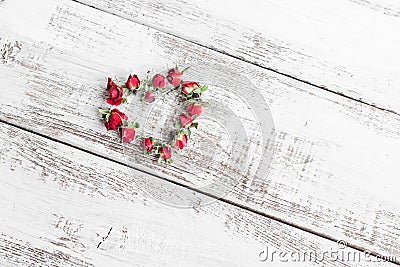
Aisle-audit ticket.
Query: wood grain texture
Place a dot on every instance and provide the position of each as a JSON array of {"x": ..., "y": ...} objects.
[
  {"x": 334, "y": 172},
  {"x": 63, "y": 207},
  {"x": 348, "y": 46}
]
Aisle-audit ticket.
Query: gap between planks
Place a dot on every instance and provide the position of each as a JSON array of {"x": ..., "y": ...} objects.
[
  {"x": 233, "y": 56},
  {"x": 249, "y": 209}
]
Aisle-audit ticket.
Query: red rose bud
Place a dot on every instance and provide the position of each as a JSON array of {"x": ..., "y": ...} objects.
[
  {"x": 181, "y": 141},
  {"x": 127, "y": 134},
  {"x": 133, "y": 82},
  {"x": 148, "y": 97},
  {"x": 185, "y": 120},
  {"x": 174, "y": 77},
  {"x": 147, "y": 144},
  {"x": 158, "y": 81},
  {"x": 115, "y": 119},
  {"x": 165, "y": 152},
  {"x": 115, "y": 93},
  {"x": 110, "y": 83},
  {"x": 194, "y": 109},
  {"x": 188, "y": 87}
]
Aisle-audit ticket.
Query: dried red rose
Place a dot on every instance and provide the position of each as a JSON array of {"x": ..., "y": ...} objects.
[
  {"x": 133, "y": 82},
  {"x": 181, "y": 141},
  {"x": 148, "y": 97},
  {"x": 174, "y": 77},
  {"x": 127, "y": 134},
  {"x": 194, "y": 109},
  {"x": 189, "y": 87},
  {"x": 158, "y": 81},
  {"x": 165, "y": 152},
  {"x": 115, "y": 119},
  {"x": 185, "y": 120},
  {"x": 115, "y": 93},
  {"x": 148, "y": 143}
]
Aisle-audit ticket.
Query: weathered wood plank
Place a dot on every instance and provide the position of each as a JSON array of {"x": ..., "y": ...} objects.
[
  {"x": 58, "y": 203},
  {"x": 334, "y": 170},
  {"x": 347, "y": 46}
]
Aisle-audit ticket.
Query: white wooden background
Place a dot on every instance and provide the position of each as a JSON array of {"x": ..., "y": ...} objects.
[{"x": 329, "y": 70}]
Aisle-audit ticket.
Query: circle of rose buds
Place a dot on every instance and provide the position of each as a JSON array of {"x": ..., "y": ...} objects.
[{"x": 116, "y": 120}]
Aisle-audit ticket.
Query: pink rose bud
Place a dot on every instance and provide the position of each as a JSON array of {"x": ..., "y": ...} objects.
[
  {"x": 188, "y": 87},
  {"x": 174, "y": 77},
  {"x": 194, "y": 109},
  {"x": 127, "y": 134},
  {"x": 181, "y": 141},
  {"x": 165, "y": 152},
  {"x": 133, "y": 82},
  {"x": 158, "y": 81},
  {"x": 185, "y": 120},
  {"x": 149, "y": 97},
  {"x": 147, "y": 144}
]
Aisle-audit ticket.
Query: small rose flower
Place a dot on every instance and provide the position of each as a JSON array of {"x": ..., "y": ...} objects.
[
  {"x": 115, "y": 119},
  {"x": 148, "y": 97},
  {"x": 158, "y": 81},
  {"x": 148, "y": 143},
  {"x": 185, "y": 120},
  {"x": 133, "y": 82},
  {"x": 115, "y": 93},
  {"x": 127, "y": 134},
  {"x": 165, "y": 152},
  {"x": 194, "y": 109},
  {"x": 174, "y": 77},
  {"x": 189, "y": 87},
  {"x": 110, "y": 83},
  {"x": 181, "y": 141}
]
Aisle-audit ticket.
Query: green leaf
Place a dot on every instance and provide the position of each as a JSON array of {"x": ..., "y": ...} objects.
[
  {"x": 131, "y": 125},
  {"x": 103, "y": 111},
  {"x": 205, "y": 104},
  {"x": 127, "y": 92},
  {"x": 124, "y": 100},
  {"x": 135, "y": 125},
  {"x": 204, "y": 88},
  {"x": 195, "y": 124},
  {"x": 108, "y": 116},
  {"x": 189, "y": 96}
]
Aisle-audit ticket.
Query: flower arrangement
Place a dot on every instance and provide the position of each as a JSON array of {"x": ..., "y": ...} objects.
[{"x": 148, "y": 89}]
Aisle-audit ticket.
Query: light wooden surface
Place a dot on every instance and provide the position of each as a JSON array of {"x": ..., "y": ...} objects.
[
  {"x": 58, "y": 203},
  {"x": 333, "y": 175},
  {"x": 346, "y": 46}
]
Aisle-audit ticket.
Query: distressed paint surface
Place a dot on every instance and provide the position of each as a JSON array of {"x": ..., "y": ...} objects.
[
  {"x": 348, "y": 47},
  {"x": 323, "y": 178},
  {"x": 63, "y": 207}
]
